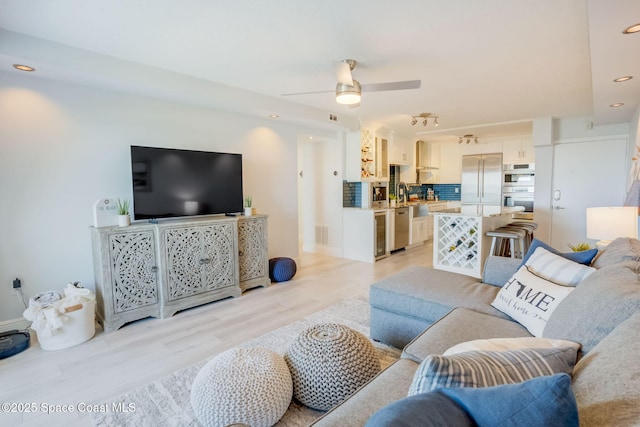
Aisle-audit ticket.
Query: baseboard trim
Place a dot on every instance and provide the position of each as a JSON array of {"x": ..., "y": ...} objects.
[{"x": 11, "y": 324}]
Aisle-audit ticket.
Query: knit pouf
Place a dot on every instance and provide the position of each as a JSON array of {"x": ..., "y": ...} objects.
[
  {"x": 245, "y": 385},
  {"x": 328, "y": 363},
  {"x": 282, "y": 269}
]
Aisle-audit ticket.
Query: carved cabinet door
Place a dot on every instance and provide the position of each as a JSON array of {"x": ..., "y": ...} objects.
[
  {"x": 252, "y": 248},
  {"x": 199, "y": 259},
  {"x": 134, "y": 278}
]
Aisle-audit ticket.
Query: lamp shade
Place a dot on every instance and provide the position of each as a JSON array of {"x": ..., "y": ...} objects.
[
  {"x": 609, "y": 223},
  {"x": 348, "y": 94}
]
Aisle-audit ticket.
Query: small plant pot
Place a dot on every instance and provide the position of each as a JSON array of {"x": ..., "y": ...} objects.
[
  {"x": 248, "y": 211},
  {"x": 124, "y": 220},
  {"x": 392, "y": 203}
]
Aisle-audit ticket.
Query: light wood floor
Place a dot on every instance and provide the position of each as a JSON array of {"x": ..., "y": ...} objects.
[{"x": 112, "y": 364}]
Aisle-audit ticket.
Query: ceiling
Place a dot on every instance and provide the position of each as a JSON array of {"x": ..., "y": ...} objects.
[{"x": 486, "y": 67}]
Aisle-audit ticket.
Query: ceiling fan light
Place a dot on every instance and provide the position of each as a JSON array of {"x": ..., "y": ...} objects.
[
  {"x": 435, "y": 122},
  {"x": 424, "y": 122},
  {"x": 348, "y": 94}
]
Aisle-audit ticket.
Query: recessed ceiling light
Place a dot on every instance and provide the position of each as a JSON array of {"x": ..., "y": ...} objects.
[
  {"x": 632, "y": 29},
  {"x": 617, "y": 104},
  {"x": 622, "y": 79},
  {"x": 273, "y": 116},
  {"x": 23, "y": 67}
]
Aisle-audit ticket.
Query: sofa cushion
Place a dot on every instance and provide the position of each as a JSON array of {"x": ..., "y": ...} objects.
[
  {"x": 607, "y": 380},
  {"x": 390, "y": 385},
  {"x": 491, "y": 368},
  {"x": 448, "y": 332},
  {"x": 505, "y": 344},
  {"x": 422, "y": 410},
  {"x": 530, "y": 299},
  {"x": 557, "y": 269},
  {"x": 427, "y": 293},
  {"x": 538, "y": 402},
  {"x": 620, "y": 250},
  {"x": 596, "y": 306},
  {"x": 583, "y": 257}
]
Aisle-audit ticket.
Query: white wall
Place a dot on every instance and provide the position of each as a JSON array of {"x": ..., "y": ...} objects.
[
  {"x": 548, "y": 132},
  {"x": 321, "y": 162},
  {"x": 64, "y": 146}
]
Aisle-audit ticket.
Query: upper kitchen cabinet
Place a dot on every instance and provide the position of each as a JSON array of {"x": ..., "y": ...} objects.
[
  {"x": 450, "y": 163},
  {"x": 400, "y": 152},
  {"x": 366, "y": 156},
  {"x": 481, "y": 148},
  {"x": 428, "y": 162},
  {"x": 518, "y": 150}
]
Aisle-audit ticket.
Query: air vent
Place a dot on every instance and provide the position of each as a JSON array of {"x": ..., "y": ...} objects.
[{"x": 322, "y": 235}]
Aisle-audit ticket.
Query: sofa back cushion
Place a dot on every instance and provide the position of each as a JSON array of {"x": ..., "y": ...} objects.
[
  {"x": 596, "y": 306},
  {"x": 606, "y": 381},
  {"x": 620, "y": 250}
]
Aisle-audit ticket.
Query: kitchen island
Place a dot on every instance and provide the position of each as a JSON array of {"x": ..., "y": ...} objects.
[{"x": 460, "y": 243}]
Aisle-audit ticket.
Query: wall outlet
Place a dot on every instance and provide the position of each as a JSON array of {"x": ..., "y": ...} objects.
[{"x": 457, "y": 190}]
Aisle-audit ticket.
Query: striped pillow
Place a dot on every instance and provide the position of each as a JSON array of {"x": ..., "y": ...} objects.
[
  {"x": 556, "y": 268},
  {"x": 490, "y": 368}
]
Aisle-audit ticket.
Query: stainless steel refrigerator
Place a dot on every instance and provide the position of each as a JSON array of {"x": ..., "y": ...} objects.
[{"x": 481, "y": 192}]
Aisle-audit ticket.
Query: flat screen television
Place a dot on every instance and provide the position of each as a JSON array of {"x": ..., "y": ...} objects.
[{"x": 172, "y": 183}]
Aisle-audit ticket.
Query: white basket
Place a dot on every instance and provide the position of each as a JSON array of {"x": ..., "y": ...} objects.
[{"x": 79, "y": 327}]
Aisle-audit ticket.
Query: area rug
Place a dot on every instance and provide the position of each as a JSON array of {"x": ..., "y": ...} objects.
[{"x": 166, "y": 402}]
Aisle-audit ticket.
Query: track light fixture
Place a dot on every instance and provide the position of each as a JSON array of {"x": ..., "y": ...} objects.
[
  {"x": 468, "y": 139},
  {"x": 424, "y": 117}
]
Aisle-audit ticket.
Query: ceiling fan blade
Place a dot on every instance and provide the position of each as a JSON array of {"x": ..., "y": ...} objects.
[
  {"x": 379, "y": 87},
  {"x": 343, "y": 72},
  {"x": 306, "y": 93}
]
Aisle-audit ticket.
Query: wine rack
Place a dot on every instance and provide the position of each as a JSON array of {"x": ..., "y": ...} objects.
[{"x": 458, "y": 241}]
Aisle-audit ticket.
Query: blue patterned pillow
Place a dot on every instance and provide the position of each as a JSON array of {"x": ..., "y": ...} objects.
[{"x": 491, "y": 368}]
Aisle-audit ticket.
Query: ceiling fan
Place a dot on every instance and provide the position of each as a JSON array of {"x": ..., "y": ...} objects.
[{"x": 349, "y": 90}]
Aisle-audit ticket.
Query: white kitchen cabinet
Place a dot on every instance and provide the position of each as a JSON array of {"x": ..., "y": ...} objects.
[
  {"x": 519, "y": 150},
  {"x": 481, "y": 148},
  {"x": 450, "y": 163},
  {"x": 430, "y": 163},
  {"x": 382, "y": 159},
  {"x": 419, "y": 230},
  {"x": 399, "y": 152}
]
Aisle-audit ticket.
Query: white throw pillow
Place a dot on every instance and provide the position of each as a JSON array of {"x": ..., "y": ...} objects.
[
  {"x": 556, "y": 268},
  {"x": 506, "y": 344},
  {"x": 530, "y": 300}
]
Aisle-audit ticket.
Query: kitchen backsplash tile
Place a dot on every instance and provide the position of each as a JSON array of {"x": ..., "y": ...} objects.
[
  {"x": 351, "y": 194},
  {"x": 447, "y": 191},
  {"x": 443, "y": 191}
]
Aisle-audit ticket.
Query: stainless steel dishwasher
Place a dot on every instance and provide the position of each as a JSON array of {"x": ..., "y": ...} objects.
[{"x": 401, "y": 229}]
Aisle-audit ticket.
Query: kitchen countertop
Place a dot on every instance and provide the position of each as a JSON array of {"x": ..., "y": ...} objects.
[{"x": 505, "y": 210}]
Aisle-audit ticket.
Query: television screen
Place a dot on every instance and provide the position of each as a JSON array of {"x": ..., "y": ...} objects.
[{"x": 170, "y": 182}]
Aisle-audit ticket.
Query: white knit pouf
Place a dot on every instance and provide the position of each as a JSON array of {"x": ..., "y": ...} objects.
[
  {"x": 245, "y": 385},
  {"x": 328, "y": 363}
]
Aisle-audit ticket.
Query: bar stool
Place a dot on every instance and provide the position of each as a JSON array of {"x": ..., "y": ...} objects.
[
  {"x": 504, "y": 239},
  {"x": 529, "y": 227}
]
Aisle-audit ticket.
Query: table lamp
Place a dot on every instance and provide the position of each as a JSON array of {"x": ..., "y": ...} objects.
[{"x": 607, "y": 223}]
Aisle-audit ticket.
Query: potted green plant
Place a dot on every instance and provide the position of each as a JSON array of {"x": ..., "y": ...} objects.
[
  {"x": 579, "y": 247},
  {"x": 123, "y": 213},
  {"x": 248, "y": 208},
  {"x": 393, "y": 200}
]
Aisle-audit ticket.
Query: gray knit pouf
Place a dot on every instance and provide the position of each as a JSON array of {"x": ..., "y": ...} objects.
[
  {"x": 245, "y": 385},
  {"x": 328, "y": 363}
]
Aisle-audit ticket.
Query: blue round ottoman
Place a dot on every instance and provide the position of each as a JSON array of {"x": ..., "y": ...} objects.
[{"x": 282, "y": 269}]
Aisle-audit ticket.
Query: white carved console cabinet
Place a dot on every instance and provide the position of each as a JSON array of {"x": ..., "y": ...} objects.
[{"x": 155, "y": 270}]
